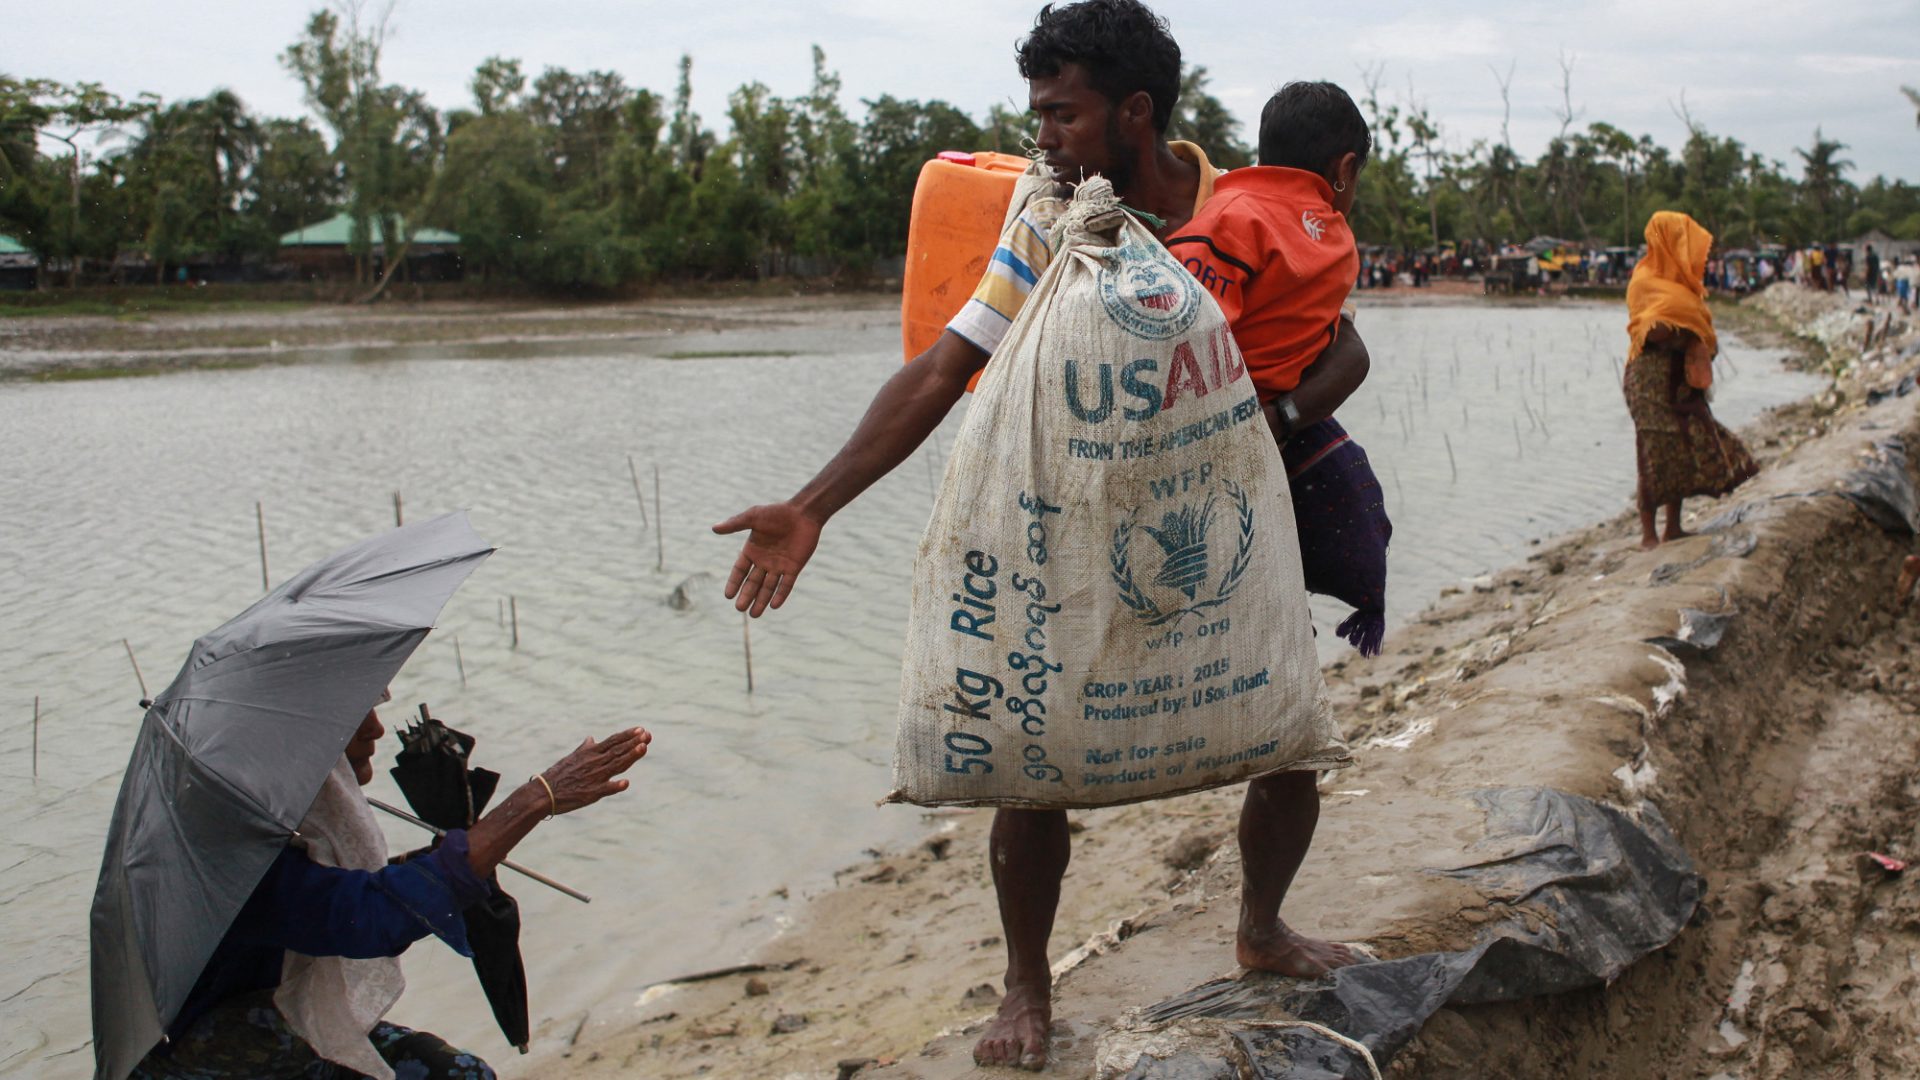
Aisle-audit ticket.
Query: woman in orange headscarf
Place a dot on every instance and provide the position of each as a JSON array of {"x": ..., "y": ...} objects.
[{"x": 1682, "y": 449}]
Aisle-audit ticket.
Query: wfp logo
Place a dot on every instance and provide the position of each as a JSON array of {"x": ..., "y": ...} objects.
[
  {"x": 1185, "y": 539},
  {"x": 1311, "y": 222},
  {"x": 1147, "y": 294}
]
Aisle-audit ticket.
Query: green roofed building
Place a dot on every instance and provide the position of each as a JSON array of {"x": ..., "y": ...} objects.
[
  {"x": 336, "y": 230},
  {"x": 320, "y": 251},
  {"x": 19, "y": 268}
]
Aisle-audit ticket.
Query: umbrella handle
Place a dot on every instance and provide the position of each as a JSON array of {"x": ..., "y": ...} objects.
[{"x": 508, "y": 863}]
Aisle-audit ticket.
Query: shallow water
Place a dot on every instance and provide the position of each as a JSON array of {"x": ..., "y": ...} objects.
[{"x": 129, "y": 513}]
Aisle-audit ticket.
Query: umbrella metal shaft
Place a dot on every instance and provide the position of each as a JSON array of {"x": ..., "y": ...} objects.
[{"x": 508, "y": 863}]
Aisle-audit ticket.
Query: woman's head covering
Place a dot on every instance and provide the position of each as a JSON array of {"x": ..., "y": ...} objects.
[
  {"x": 333, "y": 1001},
  {"x": 1667, "y": 287}
]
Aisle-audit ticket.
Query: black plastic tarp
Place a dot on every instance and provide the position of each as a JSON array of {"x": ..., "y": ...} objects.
[{"x": 1593, "y": 888}]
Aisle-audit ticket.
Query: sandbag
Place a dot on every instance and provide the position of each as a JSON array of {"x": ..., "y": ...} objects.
[{"x": 1108, "y": 603}]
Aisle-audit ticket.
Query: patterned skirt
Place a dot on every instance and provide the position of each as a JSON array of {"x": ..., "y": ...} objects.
[
  {"x": 245, "y": 1038},
  {"x": 1682, "y": 449}
]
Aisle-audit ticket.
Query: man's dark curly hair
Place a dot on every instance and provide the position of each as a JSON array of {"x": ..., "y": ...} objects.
[
  {"x": 1123, "y": 46},
  {"x": 1308, "y": 124}
]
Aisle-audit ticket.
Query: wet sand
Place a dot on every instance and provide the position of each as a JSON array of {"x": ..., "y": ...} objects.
[{"x": 1781, "y": 760}]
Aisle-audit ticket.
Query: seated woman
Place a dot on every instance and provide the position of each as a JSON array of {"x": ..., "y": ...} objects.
[
  {"x": 298, "y": 986},
  {"x": 1681, "y": 449}
]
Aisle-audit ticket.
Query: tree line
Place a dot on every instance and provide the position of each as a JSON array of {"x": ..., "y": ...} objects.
[{"x": 579, "y": 180}]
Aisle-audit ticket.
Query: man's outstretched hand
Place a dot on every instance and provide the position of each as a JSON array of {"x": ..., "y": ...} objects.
[{"x": 779, "y": 544}]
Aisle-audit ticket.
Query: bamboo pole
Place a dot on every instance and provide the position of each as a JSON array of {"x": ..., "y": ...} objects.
[
  {"x": 399, "y": 518},
  {"x": 659, "y": 542},
  {"x": 459, "y": 660},
  {"x": 513, "y": 611},
  {"x": 260, "y": 518},
  {"x": 634, "y": 472},
  {"x": 1452, "y": 469},
  {"x": 136, "y": 670},
  {"x": 508, "y": 863},
  {"x": 36, "y": 738},
  {"x": 746, "y": 641}
]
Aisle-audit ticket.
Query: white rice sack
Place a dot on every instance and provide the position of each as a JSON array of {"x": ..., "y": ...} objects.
[{"x": 1108, "y": 603}]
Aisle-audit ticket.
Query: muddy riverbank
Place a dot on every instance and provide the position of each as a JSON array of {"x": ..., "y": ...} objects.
[{"x": 1776, "y": 755}]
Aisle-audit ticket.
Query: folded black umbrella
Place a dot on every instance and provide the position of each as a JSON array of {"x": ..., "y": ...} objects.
[{"x": 445, "y": 791}]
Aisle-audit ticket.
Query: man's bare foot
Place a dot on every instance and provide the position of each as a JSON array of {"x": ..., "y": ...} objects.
[
  {"x": 1297, "y": 956},
  {"x": 1673, "y": 533},
  {"x": 1649, "y": 541},
  {"x": 1016, "y": 1037}
]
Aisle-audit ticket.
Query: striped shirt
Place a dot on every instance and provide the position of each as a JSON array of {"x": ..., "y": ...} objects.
[{"x": 1024, "y": 253}]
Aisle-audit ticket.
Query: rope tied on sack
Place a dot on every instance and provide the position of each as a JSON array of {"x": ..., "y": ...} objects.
[{"x": 1091, "y": 216}]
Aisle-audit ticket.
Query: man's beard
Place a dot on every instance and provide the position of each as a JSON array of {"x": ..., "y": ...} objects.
[{"x": 1119, "y": 170}]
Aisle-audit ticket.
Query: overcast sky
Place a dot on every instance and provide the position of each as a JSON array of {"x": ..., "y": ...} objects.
[{"x": 1764, "y": 71}]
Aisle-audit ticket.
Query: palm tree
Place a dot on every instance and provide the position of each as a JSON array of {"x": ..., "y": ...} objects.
[
  {"x": 220, "y": 128},
  {"x": 1821, "y": 178}
]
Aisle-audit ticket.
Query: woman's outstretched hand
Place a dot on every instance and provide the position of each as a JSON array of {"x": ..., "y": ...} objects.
[
  {"x": 586, "y": 776},
  {"x": 582, "y": 778}
]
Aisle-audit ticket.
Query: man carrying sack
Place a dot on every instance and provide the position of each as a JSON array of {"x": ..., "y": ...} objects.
[{"x": 1108, "y": 602}]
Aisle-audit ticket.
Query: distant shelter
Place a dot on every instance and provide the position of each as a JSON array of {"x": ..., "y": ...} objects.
[
  {"x": 19, "y": 268},
  {"x": 1884, "y": 246},
  {"x": 318, "y": 252}
]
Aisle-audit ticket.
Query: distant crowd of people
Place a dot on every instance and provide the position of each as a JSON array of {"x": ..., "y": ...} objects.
[
  {"x": 1384, "y": 270},
  {"x": 1827, "y": 267}
]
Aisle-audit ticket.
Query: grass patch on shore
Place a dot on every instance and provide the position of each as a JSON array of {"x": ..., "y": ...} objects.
[
  {"x": 138, "y": 371},
  {"x": 727, "y": 354},
  {"x": 138, "y": 310}
]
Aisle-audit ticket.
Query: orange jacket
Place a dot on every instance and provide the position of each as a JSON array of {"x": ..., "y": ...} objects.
[{"x": 1280, "y": 260}]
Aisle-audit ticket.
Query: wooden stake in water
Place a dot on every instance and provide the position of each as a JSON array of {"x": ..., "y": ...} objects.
[
  {"x": 746, "y": 640},
  {"x": 260, "y": 518},
  {"x": 399, "y": 517},
  {"x": 500, "y": 611},
  {"x": 634, "y": 471},
  {"x": 459, "y": 660},
  {"x": 513, "y": 611},
  {"x": 36, "y": 737},
  {"x": 1518, "y": 446},
  {"x": 659, "y": 543},
  {"x": 1452, "y": 469},
  {"x": 137, "y": 677}
]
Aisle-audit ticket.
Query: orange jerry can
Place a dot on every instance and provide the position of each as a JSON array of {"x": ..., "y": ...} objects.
[{"x": 959, "y": 204}]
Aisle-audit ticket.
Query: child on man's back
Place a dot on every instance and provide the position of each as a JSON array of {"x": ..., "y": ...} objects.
[{"x": 1274, "y": 248}]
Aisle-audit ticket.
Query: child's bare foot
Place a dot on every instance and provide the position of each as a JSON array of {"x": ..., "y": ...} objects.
[
  {"x": 1674, "y": 532},
  {"x": 1649, "y": 541},
  {"x": 1017, "y": 1035}
]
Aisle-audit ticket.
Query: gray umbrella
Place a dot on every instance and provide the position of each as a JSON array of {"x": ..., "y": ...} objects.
[{"x": 230, "y": 757}]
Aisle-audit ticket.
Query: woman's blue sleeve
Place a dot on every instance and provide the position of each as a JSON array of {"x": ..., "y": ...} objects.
[{"x": 319, "y": 910}]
